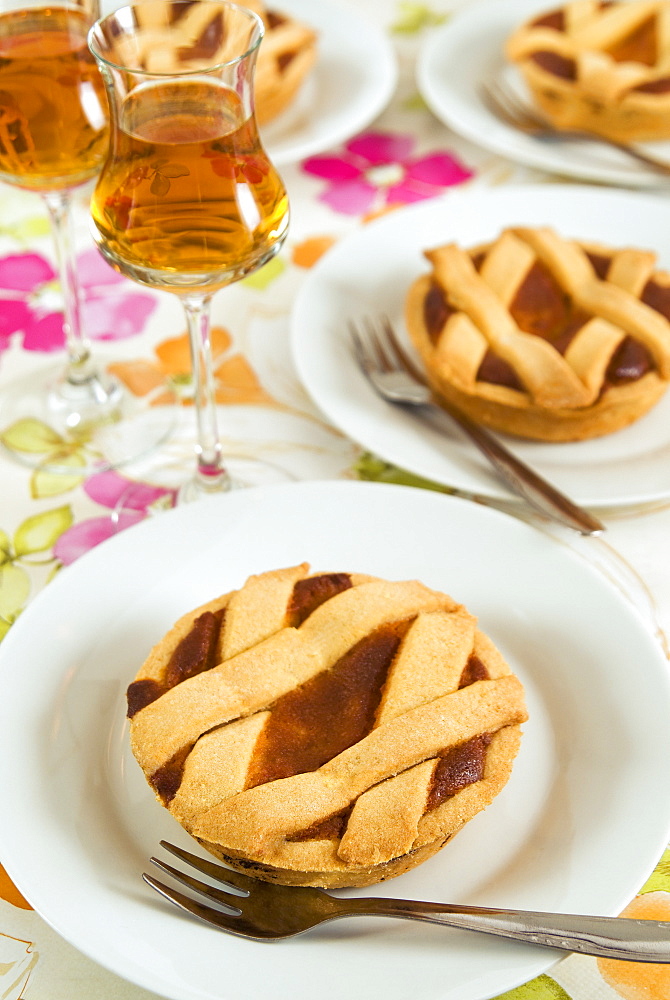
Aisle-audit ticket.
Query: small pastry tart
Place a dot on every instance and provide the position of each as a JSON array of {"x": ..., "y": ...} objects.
[
  {"x": 286, "y": 55},
  {"x": 544, "y": 337},
  {"x": 602, "y": 67},
  {"x": 332, "y": 729}
]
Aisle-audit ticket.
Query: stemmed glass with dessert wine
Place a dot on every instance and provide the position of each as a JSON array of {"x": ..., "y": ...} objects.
[
  {"x": 187, "y": 200},
  {"x": 53, "y": 138}
]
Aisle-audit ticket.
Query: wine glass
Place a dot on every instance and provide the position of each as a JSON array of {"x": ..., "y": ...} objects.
[
  {"x": 53, "y": 138},
  {"x": 187, "y": 200}
]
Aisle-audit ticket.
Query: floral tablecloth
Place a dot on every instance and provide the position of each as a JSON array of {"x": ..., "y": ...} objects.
[{"x": 47, "y": 522}]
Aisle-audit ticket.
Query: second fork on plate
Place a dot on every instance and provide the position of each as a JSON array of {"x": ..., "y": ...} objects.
[
  {"x": 509, "y": 108},
  {"x": 394, "y": 376}
]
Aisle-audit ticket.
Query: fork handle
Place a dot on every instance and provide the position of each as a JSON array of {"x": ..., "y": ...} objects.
[
  {"x": 607, "y": 937},
  {"x": 633, "y": 151},
  {"x": 519, "y": 477}
]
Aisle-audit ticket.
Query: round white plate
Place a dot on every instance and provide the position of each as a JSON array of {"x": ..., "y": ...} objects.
[
  {"x": 369, "y": 272},
  {"x": 352, "y": 82},
  {"x": 468, "y": 50},
  {"x": 578, "y": 828}
]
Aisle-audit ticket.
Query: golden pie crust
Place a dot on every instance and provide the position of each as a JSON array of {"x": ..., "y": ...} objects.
[
  {"x": 285, "y": 58},
  {"x": 286, "y": 54},
  {"x": 600, "y": 67},
  {"x": 329, "y": 729},
  {"x": 541, "y": 336}
]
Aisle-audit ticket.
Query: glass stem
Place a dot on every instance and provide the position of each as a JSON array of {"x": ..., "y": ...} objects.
[
  {"x": 79, "y": 368},
  {"x": 211, "y": 474}
]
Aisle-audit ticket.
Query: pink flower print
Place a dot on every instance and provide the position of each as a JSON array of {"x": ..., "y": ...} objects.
[
  {"x": 82, "y": 537},
  {"x": 22, "y": 273},
  {"x": 130, "y": 501},
  {"x": 29, "y": 304},
  {"x": 377, "y": 169},
  {"x": 113, "y": 310}
]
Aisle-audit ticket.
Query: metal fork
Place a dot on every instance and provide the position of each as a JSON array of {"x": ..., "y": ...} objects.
[
  {"x": 267, "y": 912},
  {"x": 512, "y": 110},
  {"x": 396, "y": 378}
]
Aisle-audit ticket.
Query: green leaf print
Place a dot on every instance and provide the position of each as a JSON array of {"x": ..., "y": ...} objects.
[
  {"x": 31, "y": 436},
  {"x": 660, "y": 877},
  {"x": 265, "y": 275},
  {"x": 5, "y": 547},
  {"x": 49, "y": 484},
  {"x": 542, "y": 988},
  {"x": 413, "y": 17},
  {"x": 160, "y": 185},
  {"x": 27, "y": 230},
  {"x": 14, "y": 591},
  {"x": 163, "y": 171},
  {"x": 37, "y": 226},
  {"x": 375, "y": 470},
  {"x": 40, "y": 532},
  {"x": 174, "y": 170}
]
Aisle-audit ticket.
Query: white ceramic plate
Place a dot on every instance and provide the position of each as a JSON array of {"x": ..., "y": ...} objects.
[
  {"x": 578, "y": 827},
  {"x": 351, "y": 83},
  {"x": 369, "y": 273},
  {"x": 468, "y": 50}
]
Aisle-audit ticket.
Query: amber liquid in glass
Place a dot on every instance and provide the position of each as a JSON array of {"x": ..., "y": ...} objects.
[
  {"x": 187, "y": 188},
  {"x": 53, "y": 107}
]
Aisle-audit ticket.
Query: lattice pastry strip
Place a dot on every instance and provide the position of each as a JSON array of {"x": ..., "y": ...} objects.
[
  {"x": 590, "y": 352},
  {"x": 614, "y": 301},
  {"x": 259, "y": 820},
  {"x": 544, "y": 372},
  {"x": 549, "y": 328},
  {"x": 286, "y": 55},
  {"x": 631, "y": 270},
  {"x": 217, "y": 766},
  {"x": 372, "y": 706},
  {"x": 398, "y": 804},
  {"x": 203, "y": 28},
  {"x": 384, "y": 820},
  {"x": 258, "y": 676},
  {"x": 601, "y": 67},
  {"x": 617, "y": 298}
]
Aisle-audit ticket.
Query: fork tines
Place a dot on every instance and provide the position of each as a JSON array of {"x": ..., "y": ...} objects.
[
  {"x": 376, "y": 345},
  {"x": 225, "y": 876},
  {"x": 509, "y": 107}
]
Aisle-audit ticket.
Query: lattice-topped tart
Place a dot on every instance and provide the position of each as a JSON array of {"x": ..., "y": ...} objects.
[
  {"x": 600, "y": 66},
  {"x": 286, "y": 56},
  {"x": 332, "y": 729},
  {"x": 542, "y": 336}
]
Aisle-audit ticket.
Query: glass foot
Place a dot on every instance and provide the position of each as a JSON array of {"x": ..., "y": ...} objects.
[
  {"x": 242, "y": 473},
  {"x": 84, "y": 427},
  {"x": 171, "y": 485}
]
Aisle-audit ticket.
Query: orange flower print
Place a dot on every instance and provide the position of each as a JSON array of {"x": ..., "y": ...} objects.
[
  {"x": 175, "y": 357},
  {"x": 10, "y": 893},
  {"x": 237, "y": 382},
  {"x": 637, "y": 980},
  {"x": 310, "y": 251}
]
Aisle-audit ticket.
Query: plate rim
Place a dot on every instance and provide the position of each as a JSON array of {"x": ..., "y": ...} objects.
[
  {"x": 381, "y": 87},
  {"x": 90, "y": 563},
  {"x": 464, "y": 480},
  {"x": 500, "y": 138}
]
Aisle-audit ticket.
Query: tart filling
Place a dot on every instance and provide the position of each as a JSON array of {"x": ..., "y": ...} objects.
[
  {"x": 542, "y": 336},
  {"x": 600, "y": 66},
  {"x": 330, "y": 729}
]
